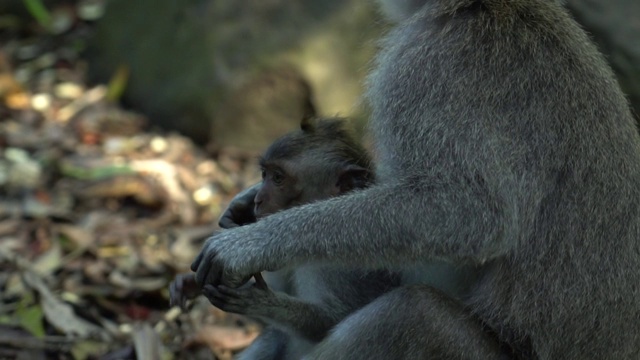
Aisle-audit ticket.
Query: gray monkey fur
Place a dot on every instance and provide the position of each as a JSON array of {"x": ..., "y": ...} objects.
[{"x": 504, "y": 140}]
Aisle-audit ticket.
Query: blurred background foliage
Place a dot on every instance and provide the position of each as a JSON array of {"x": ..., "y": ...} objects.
[
  {"x": 241, "y": 67},
  {"x": 238, "y": 72}
]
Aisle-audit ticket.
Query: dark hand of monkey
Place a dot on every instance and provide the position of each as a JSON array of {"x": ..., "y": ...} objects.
[
  {"x": 183, "y": 288},
  {"x": 251, "y": 299},
  {"x": 241, "y": 209}
]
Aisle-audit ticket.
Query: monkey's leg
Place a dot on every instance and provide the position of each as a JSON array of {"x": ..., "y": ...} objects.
[
  {"x": 270, "y": 345},
  {"x": 411, "y": 322}
]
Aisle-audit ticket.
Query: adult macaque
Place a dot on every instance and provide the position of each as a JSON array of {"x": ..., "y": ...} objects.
[{"x": 503, "y": 140}]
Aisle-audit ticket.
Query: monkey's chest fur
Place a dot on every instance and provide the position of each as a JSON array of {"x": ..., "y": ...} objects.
[{"x": 342, "y": 289}]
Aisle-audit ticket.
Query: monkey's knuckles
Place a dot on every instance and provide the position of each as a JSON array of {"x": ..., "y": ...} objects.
[
  {"x": 223, "y": 301},
  {"x": 236, "y": 252},
  {"x": 227, "y": 221}
]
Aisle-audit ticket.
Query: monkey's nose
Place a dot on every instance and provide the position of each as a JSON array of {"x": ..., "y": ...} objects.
[
  {"x": 257, "y": 201},
  {"x": 257, "y": 212}
]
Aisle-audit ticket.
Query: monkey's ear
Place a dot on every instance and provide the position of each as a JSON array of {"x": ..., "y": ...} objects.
[
  {"x": 308, "y": 124},
  {"x": 354, "y": 177}
]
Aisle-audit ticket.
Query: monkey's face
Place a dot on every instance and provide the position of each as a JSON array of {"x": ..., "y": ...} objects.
[
  {"x": 278, "y": 191},
  {"x": 286, "y": 184}
]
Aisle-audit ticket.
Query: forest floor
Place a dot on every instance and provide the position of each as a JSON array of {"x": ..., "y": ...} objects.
[{"x": 98, "y": 211}]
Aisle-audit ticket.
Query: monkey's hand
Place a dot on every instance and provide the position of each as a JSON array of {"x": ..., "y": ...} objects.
[
  {"x": 183, "y": 288},
  {"x": 232, "y": 256},
  {"x": 252, "y": 300},
  {"x": 241, "y": 209},
  {"x": 310, "y": 320}
]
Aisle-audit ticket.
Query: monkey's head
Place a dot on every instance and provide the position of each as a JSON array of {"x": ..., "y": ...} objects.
[{"x": 318, "y": 161}]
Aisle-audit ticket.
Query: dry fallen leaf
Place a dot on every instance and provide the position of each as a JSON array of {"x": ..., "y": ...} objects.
[
  {"x": 49, "y": 261},
  {"x": 146, "y": 342},
  {"x": 8, "y": 247},
  {"x": 13, "y": 94},
  {"x": 82, "y": 238},
  {"x": 58, "y": 313},
  {"x": 225, "y": 337},
  {"x": 9, "y": 226},
  {"x": 142, "y": 283}
]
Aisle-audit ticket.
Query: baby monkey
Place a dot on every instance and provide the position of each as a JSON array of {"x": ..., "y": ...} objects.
[{"x": 316, "y": 162}]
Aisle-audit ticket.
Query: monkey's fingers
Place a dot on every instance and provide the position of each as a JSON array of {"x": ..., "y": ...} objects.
[
  {"x": 183, "y": 288},
  {"x": 204, "y": 256},
  {"x": 226, "y": 299},
  {"x": 216, "y": 298},
  {"x": 260, "y": 283},
  {"x": 175, "y": 294},
  {"x": 208, "y": 272},
  {"x": 231, "y": 218},
  {"x": 227, "y": 222},
  {"x": 196, "y": 263},
  {"x": 230, "y": 293},
  {"x": 233, "y": 280}
]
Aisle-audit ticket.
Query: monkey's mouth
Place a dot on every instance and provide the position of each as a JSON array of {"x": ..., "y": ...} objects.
[{"x": 260, "y": 213}]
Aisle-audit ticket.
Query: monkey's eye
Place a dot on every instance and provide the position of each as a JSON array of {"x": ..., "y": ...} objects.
[
  {"x": 278, "y": 178},
  {"x": 263, "y": 173}
]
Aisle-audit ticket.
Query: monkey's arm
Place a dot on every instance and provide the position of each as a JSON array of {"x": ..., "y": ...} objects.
[
  {"x": 385, "y": 225},
  {"x": 241, "y": 209},
  {"x": 309, "y": 320}
]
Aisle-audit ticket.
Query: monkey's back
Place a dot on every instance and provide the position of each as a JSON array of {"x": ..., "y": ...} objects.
[{"x": 513, "y": 97}]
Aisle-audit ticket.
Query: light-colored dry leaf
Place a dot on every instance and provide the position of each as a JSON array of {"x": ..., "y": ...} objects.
[
  {"x": 143, "y": 283},
  {"x": 9, "y": 227},
  {"x": 225, "y": 337},
  {"x": 167, "y": 175},
  {"x": 82, "y": 350},
  {"x": 49, "y": 261},
  {"x": 146, "y": 342},
  {"x": 14, "y": 285},
  {"x": 186, "y": 245},
  {"x": 92, "y": 96},
  {"x": 81, "y": 237},
  {"x": 58, "y": 313},
  {"x": 8, "y": 246}
]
